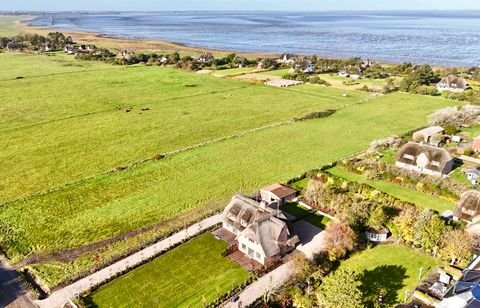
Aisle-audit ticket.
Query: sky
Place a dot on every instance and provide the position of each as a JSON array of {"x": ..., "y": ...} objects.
[{"x": 282, "y": 5}]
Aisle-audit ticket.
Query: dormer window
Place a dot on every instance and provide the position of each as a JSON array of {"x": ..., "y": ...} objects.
[
  {"x": 409, "y": 157},
  {"x": 435, "y": 163}
]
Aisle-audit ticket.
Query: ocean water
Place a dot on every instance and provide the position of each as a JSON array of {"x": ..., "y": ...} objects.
[{"x": 438, "y": 38}]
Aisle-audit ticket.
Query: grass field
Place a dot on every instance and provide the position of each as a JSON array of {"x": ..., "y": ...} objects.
[
  {"x": 409, "y": 195},
  {"x": 191, "y": 275},
  {"x": 8, "y": 24},
  {"x": 390, "y": 270},
  {"x": 234, "y": 71},
  {"x": 84, "y": 130},
  {"x": 111, "y": 204}
]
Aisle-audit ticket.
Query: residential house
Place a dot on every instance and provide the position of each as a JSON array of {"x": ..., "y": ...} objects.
[
  {"x": 48, "y": 47},
  {"x": 261, "y": 228},
  {"x": 473, "y": 176},
  {"x": 126, "y": 55},
  {"x": 12, "y": 46},
  {"x": 304, "y": 66},
  {"x": 468, "y": 207},
  {"x": 377, "y": 235},
  {"x": 367, "y": 63},
  {"x": 206, "y": 58},
  {"x": 425, "y": 159},
  {"x": 278, "y": 193},
  {"x": 466, "y": 291},
  {"x": 429, "y": 135},
  {"x": 453, "y": 84},
  {"x": 288, "y": 59},
  {"x": 344, "y": 73},
  {"x": 71, "y": 49}
]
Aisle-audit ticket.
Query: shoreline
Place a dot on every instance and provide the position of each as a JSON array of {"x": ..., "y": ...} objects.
[
  {"x": 134, "y": 44},
  {"x": 139, "y": 44}
]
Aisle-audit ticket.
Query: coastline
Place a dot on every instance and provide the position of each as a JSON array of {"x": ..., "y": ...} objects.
[{"x": 102, "y": 40}]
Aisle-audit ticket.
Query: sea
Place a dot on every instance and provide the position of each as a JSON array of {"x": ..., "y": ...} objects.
[{"x": 442, "y": 38}]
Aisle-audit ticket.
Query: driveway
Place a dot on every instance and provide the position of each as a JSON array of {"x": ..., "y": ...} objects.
[
  {"x": 311, "y": 238},
  {"x": 12, "y": 292}
]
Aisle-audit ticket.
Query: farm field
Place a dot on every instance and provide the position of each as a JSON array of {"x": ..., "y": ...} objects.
[
  {"x": 338, "y": 82},
  {"x": 190, "y": 275},
  {"x": 390, "y": 270},
  {"x": 24, "y": 65},
  {"x": 409, "y": 195},
  {"x": 75, "y": 125},
  {"x": 108, "y": 205}
]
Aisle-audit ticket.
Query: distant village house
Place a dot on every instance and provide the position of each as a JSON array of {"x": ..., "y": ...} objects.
[{"x": 453, "y": 84}]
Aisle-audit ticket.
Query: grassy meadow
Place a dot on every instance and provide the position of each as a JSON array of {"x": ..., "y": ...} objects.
[
  {"x": 111, "y": 204},
  {"x": 191, "y": 275},
  {"x": 418, "y": 198},
  {"x": 390, "y": 270}
]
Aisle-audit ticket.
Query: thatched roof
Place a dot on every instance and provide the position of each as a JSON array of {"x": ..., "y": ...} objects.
[
  {"x": 453, "y": 82},
  {"x": 468, "y": 207},
  {"x": 437, "y": 157}
]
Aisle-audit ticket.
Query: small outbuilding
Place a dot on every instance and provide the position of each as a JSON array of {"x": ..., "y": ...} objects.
[
  {"x": 278, "y": 193},
  {"x": 473, "y": 175},
  {"x": 377, "y": 235},
  {"x": 426, "y": 135}
]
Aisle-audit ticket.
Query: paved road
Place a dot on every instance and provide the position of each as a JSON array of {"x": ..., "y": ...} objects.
[
  {"x": 12, "y": 292},
  {"x": 271, "y": 281},
  {"x": 60, "y": 297}
]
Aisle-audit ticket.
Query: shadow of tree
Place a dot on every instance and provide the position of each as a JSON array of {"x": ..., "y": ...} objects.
[{"x": 385, "y": 279}]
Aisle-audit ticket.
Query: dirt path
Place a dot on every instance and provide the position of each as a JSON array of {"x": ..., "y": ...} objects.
[{"x": 62, "y": 296}]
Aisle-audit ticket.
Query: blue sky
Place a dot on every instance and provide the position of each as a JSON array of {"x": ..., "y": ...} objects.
[{"x": 303, "y": 5}]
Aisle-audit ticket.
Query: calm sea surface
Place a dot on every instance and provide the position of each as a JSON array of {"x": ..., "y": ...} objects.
[{"x": 440, "y": 38}]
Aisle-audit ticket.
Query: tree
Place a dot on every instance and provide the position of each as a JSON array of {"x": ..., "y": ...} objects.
[
  {"x": 429, "y": 230},
  {"x": 456, "y": 245},
  {"x": 173, "y": 58},
  {"x": 405, "y": 224},
  {"x": 424, "y": 75},
  {"x": 376, "y": 72},
  {"x": 378, "y": 218},
  {"x": 339, "y": 239},
  {"x": 314, "y": 192},
  {"x": 340, "y": 287}
]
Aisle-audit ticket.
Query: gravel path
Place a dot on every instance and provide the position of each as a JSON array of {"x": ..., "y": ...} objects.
[{"x": 62, "y": 296}]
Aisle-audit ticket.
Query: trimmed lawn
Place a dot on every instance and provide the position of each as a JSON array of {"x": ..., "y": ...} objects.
[
  {"x": 190, "y": 275},
  {"x": 409, "y": 195},
  {"x": 108, "y": 205},
  {"x": 303, "y": 213},
  {"x": 300, "y": 185},
  {"x": 389, "y": 269}
]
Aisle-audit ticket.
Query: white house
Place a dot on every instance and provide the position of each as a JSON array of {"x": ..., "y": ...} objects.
[
  {"x": 287, "y": 59},
  {"x": 453, "y": 84},
  {"x": 260, "y": 228},
  {"x": 425, "y": 159},
  {"x": 473, "y": 175}
]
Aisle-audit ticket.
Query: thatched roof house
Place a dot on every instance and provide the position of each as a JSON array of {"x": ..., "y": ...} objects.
[
  {"x": 261, "y": 230},
  {"x": 453, "y": 84},
  {"x": 424, "y": 159},
  {"x": 468, "y": 207}
]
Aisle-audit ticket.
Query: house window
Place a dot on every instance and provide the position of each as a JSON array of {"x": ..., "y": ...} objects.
[
  {"x": 409, "y": 157},
  {"x": 435, "y": 163},
  {"x": 258, "y": 256},
  {"x": 244, "y": 247},
  {"x": 251, "y": 252}
]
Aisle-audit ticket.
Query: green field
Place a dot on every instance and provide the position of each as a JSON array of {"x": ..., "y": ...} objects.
[
  {"x": 111, "y": 204},
  {"x": 191, "y": 275},
  {"x": 390, "y": 270},
  {"x": 84, "y": 130},
  {"x": 234, "y": 71},
  {"x": 8, "y": 24},
  {"x": 409, "y": 195}
]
